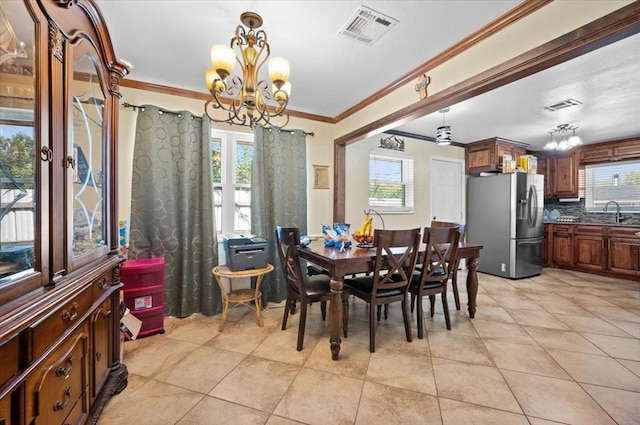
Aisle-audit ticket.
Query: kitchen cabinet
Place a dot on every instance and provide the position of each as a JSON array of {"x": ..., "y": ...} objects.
[
  {"x": 545, "y": 167},
  {"x": 624, "y": 251},
  {"x": 589, "y": 247},
  {"x": 560, "y": 172},
  {"x": 486, "y": 155},
  {"x": 547, "y": 239},
  {"x": 617, "y": 150},
  {"x": 606, "y": 250},
  {"x": 562, "y": 245},
  {"x": 60, "y": 284}
]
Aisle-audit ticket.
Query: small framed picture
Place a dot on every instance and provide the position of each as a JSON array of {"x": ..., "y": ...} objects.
[{"x": 321, "y": 177}]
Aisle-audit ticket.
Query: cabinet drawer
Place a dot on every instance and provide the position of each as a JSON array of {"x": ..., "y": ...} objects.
[
  {"x": 101, "y": 284},
  {"x": 45, "y": 332},
  {"x": 9, "y": 353},
  {"x": 55, "y": 387},
  {"x": 588, "y": 230},
  {"x": 76, "y": 416},
  {"x": 5, "y": 410}
]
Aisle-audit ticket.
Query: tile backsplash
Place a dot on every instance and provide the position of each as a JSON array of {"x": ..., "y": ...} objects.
[{"x": 578, "y": 209}]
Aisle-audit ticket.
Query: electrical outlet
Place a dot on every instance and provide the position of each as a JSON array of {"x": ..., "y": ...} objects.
[{"x": 503, "y": 267}]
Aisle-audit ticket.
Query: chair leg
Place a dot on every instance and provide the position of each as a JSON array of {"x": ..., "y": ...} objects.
[
  {"x": 445, "y": 308},
  {"x": 301, "y": 325},
  {"x": 386, "y": 311},
  {"x": 454, "y": 284},
  {"x": 420, "y": 318},
  {"x": 323, "y": 309},
  {"x": 372, "y": 330},
  {"x": 345, "y": 313},
  {"x": 432, "y": 300},
  {"x": 379, "y": 310},
  {"x": 407, "y": 322},
  {"x": 413, "y": 302},
  {"x": 292, "y": 306},
  {"x": 287, "y": 309}
]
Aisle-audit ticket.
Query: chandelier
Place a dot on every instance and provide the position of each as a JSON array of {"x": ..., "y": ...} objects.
[
  {"x": 247, "y": 100},
  {"x": 561, "y": 140},
  {"x": 443, "y": 133}
]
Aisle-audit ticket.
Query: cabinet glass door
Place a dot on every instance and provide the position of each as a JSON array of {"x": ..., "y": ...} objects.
[
  {"x": 17, "y": 143},
  {"x": 87, "y": 153}
]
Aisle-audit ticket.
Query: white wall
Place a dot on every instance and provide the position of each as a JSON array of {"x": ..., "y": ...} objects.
[{"x": 357, "y": 182}]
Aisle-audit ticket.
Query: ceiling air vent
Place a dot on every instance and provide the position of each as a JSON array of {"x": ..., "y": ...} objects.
[
  {"x": 367, "y": 26},
  {"x": 562, "y": 104}
]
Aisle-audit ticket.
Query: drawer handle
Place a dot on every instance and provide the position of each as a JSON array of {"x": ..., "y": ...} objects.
[
  {"x": 102, "y": 283},
  {"x": 70, "y": 317},
  {"x": 98, "y": 355},
  {"x": 61, "y": 405},
  {"x": 61, "y": 371}
]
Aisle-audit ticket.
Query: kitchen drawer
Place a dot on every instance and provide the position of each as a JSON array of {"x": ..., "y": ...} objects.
[
  {"x": 55, "y": 386},
  {"x": 46, "y": 331},
  {"x": 9, "y": 353},
  {"x": 589, "y": 230}
]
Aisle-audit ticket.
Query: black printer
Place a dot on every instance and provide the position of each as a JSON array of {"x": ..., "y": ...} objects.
[{"x": 245, "y": 252}]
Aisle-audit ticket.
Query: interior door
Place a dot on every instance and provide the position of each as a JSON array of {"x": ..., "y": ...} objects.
[{"x": 446, "y": 186}]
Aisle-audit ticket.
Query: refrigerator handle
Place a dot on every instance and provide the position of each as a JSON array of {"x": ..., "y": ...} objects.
[
  {"x": 532, "y": 217},
  {"x": 530, "y": 242}
]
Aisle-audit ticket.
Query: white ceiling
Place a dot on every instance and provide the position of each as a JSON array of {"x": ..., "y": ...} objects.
[{"x": 168, "y": 43}]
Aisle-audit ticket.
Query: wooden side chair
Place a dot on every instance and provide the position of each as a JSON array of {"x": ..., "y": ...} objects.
[
  {"x": 431, "y": 279},
  {"x": 301, "y": 287},
  {"x": 396, "y": 254},
  {"x": 454, "y": 272}
]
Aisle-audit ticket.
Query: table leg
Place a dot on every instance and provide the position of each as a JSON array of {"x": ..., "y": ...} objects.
[
  {"x": 472, "y": 285},
  {"x": 335, "y": 316}
]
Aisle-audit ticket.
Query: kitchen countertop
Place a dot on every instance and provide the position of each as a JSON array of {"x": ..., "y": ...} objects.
[{"x": 594, "y": 224}]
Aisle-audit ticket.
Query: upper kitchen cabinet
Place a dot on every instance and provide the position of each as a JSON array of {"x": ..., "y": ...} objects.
[
  {"x": 560, "y": 172},
  {"x": 610, "y": 151},
  {"x": 59, "y": 261},
  {"x": 486, "y": 155}
]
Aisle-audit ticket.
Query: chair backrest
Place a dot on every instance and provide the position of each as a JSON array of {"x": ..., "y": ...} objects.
[
  {"x": 461, "y": 226},
  {"x": 396, "y": 255},
  {"x": 287, "y": 241},
  {"x": 440, "y": 253}
]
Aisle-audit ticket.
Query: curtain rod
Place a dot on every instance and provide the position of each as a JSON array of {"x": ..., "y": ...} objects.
[{"x": 134, "y": 107}]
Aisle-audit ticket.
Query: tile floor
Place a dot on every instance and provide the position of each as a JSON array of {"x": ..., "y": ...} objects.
[{"x": 560, "y": 348}]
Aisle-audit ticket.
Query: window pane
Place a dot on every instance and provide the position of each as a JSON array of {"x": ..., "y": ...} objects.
[
  {"x": 216, "y": 160},
  {"x": 618, "y": 182},
  {"x": 391, "y": 182},
  {"x": 244, "y": 155},
  {"x": 242, "y": 222},
  {"x": 217, "y": 205}
]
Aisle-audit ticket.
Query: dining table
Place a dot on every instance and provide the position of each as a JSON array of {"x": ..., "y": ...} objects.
[{"x": 352, "y": 260}]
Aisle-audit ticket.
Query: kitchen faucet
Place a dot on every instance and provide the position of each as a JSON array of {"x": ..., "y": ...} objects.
[{"x": 617, "y": 209}]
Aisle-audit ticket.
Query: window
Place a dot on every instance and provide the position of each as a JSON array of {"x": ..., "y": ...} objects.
[
  {"x": 619, "y": 181},
  {"x": 390, "y": 181},
  {"x": 231, "y": 157}
]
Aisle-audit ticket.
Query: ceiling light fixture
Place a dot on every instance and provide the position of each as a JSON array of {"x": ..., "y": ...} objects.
[
  {"x": 246, "y": 99},
  {"x": 560, "y": 139},
  {"x": 443, "y": 133}
]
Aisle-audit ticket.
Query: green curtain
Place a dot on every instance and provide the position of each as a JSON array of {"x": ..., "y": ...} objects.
[
  {"x": 172, "y": 213},
  {"x": 278, "y": 195}
]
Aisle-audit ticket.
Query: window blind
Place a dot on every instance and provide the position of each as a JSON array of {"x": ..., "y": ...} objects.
[
  {"x": 619, "y": 181},
  {"x": 391, "y": 181}
]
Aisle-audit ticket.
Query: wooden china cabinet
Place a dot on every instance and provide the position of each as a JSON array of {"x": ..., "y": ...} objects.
[{"x": 59, "y": 262}]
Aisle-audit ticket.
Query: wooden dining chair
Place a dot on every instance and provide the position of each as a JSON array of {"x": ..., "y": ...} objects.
[
  {"x": 396, "y": 254},
  {"x": 454, "y": 272},
  {"x": 435, "y": 271},
  {"x": 301, "y": 287}
]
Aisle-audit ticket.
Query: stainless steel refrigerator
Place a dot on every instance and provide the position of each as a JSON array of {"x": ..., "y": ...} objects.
[{"x": 504, "y": 214}]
